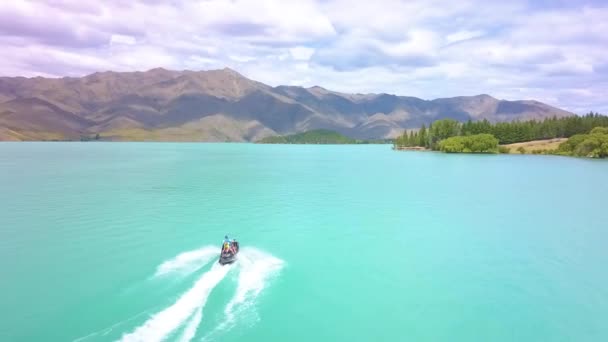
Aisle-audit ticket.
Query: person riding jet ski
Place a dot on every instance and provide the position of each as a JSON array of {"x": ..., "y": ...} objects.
[
  {"x": 229, "y": 251},
  {"x": 233, "y": 246}
]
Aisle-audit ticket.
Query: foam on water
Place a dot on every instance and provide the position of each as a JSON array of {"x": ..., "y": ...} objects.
[
  {"x": 106, "y": 331},
  {"x": 255, "y": 267},
  {"x": 188, "y": 262},
  {"x": 165, "y": 322},
  {"x": 190, "y": 330}
]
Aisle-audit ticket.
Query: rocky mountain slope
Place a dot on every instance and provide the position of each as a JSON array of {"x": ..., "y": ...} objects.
[{"x": 221, "y": 105}]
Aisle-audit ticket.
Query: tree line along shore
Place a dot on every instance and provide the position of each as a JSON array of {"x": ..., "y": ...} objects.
[{"x": 583, "y": 136}]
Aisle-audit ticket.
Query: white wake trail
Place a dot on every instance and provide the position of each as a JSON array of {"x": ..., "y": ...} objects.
[
  {"x": 188, "y": 262},
  {"x": 165, "y": 322},
  {"x": 190, "y": 330},
  {"x": 255, "y": 270}
]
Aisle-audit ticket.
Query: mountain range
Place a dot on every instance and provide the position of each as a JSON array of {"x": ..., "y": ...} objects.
[{"x": 222, "y": 105}]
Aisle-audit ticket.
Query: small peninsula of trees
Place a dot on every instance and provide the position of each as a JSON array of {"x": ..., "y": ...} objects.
[
  {"x": 318, "y": 136},
  {"x": 95, "y": 137},
  {"x": 478, "y": 133}
]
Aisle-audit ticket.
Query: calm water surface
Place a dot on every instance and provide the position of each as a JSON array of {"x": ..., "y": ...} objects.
[{"x": 119, "y": 241}]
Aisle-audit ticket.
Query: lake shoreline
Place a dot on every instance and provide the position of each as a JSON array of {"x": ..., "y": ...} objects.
[{"x": 410, "y": 148}]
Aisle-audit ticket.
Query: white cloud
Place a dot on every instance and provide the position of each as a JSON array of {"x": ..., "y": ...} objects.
[
  {"x": 418, "y": 43},
  {"x": 567, "y": 68},
  {"x": 390, "y": 17},
  {"x": 122, "y": 39},
  {"x": 582, "y": 24},
  {"x": 462, "y": 35},
  {"x": 302, "y": 66},
  {"x": 301, "y": 53},
  {"x": 241, "y": 59}
]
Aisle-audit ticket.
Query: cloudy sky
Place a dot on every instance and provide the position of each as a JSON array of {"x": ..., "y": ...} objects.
[{"x": 552, "y": 51}]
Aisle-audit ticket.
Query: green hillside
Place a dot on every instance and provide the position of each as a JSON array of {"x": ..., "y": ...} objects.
[{"x": 317, "y": 136}]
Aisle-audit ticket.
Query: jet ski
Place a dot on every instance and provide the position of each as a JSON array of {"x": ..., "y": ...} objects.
[{"x": 227, "y": 256}]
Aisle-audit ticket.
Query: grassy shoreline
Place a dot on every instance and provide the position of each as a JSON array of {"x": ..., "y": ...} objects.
[{"x": 538, "y": 146}]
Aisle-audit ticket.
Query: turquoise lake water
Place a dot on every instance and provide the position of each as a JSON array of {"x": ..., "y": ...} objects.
[{"x": 119, "y": 241}]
